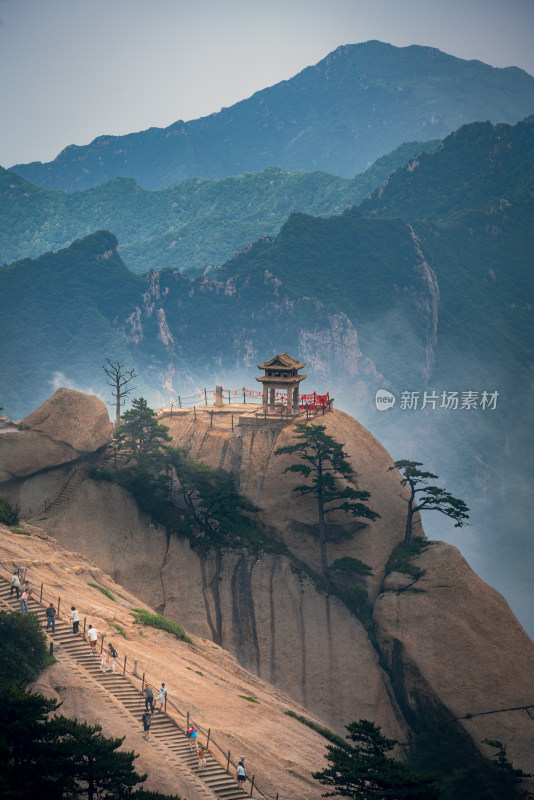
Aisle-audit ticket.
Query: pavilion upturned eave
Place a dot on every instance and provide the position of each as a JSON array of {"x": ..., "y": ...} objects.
[
  {"x": 290, "y": 380},
  {"x": 282, "y": 361}
]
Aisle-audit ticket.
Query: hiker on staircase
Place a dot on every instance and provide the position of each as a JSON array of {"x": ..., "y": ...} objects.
[
  {"x": 162, "y": 694},
  {"x": 193, "y": 738},
  {"x": 146, "y": 719},
  {"x": 75, "y": 619},
  {"x": 149, "y": 697},
  {"x": 241, "y": 776},
  {"x": 15, "y": 585},
  {"x": 51, "y": 617},
  {"x": 113, "y": 656},
  {"x": 92, "y": 635},
  {"x": 25, "y": 596}
]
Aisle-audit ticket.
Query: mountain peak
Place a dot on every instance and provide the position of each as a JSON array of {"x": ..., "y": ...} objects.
[{"x": 360, "y": 102}]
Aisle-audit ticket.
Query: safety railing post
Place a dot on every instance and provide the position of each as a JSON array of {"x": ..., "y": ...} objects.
[
  {"x": 251, "y": 785},
  {"x": 41, "y": 595},
  {"x": 143, "y": 682}
]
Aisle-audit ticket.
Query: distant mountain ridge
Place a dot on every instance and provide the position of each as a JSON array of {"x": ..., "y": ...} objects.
[
  {"x": 187, "y": 227},
  {"x": 407, "y": 303},
  {"x": 337, "y": 116}
]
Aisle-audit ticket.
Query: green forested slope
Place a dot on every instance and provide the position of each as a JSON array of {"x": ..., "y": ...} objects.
[
  {"x": 188, "y": 226},
  {"x": 478, "y": 166}
]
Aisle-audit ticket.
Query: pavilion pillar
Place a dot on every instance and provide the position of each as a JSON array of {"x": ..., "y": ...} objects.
[
  {"x": 296, "y": 399},
  {"x": 265, "y": 400},
  {"x": 272, "y": 399}
]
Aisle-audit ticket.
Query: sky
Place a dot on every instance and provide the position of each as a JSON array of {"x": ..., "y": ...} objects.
[{"x": 72, "y": 70}]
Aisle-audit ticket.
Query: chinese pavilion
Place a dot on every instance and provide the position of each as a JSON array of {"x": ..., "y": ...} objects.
[{"x": 281, "y": 373}]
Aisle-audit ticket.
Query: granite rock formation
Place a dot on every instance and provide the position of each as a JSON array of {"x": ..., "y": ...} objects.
[
  {"x": 442, "y": 646},
  {"x": 66, "y": 427}
]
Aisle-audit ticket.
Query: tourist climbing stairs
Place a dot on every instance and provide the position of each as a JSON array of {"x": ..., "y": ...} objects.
[{"x": 215, "y": 780}]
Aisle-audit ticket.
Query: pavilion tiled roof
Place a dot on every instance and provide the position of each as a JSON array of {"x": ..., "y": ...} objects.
[{"x": 284, "y": 361}]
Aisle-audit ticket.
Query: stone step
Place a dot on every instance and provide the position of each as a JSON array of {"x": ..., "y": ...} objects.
[{"x": 163, "y": 728}]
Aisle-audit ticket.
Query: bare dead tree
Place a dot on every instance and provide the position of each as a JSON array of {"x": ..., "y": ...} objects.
[{"x": 119, "y": 378}]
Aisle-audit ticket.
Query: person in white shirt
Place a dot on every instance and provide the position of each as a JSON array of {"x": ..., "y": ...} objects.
[
  {"x": 92, "y": 635},
  {"x": 15, "y": 584},
  {"x": 241, "y": 777},
  {"x": 75, "y": 619},
  {"x": 161, "y": 696}
]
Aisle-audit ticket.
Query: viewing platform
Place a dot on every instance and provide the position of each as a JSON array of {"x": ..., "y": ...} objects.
[
  {"x": 230, "y": 416},
  {"x": 282, "y": 404}
]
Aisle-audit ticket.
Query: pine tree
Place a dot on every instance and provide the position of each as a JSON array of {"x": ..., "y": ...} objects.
[
  {"x": 55, "y": 757},
  {"x": 22, "y": 649},
  {"x": 141, "y": 436},
  {"x": 327, "y": 465},
  {"x": 432, "y": 498},
  {"x": 363, "y": 770}
]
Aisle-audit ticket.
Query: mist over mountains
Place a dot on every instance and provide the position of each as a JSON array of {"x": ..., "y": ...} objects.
[
  {"x": 188, "y": 226},
  {"x": 338, "y": 116},
  {"x": 415, "y": 277},
  {"x": 437, "y": 305}
]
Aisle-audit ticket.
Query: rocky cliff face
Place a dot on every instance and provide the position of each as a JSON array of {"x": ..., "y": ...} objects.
[
  {"x": 450, "y": 639},
  {"x": 444, "y": 646},
  {"x": 202, "y": 679},
  {"x": 62, "y": 430}
]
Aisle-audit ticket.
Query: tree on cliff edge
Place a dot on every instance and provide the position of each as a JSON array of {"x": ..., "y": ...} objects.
[
  {"x": 363, "y": 770},
  {"x": 141, "y": 435},
  {"x": 327, "y": 464},
  {"x": 119, "y": 380},
  {"x": 432, "y": 498}
]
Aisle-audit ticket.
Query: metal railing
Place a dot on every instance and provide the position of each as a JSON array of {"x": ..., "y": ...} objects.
[{"x": 226, "y": 755}]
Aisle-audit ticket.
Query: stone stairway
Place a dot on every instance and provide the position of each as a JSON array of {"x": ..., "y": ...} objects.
[
  {"x": 73, "y": 482},
  {"x": 215, "y": 780}
]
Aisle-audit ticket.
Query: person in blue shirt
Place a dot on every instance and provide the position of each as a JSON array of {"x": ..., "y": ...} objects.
[{"x": 193, "y": 737}]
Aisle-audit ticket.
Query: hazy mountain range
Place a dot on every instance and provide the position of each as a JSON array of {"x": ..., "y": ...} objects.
[
  {"x": 188, "y": 226},
  {"x": 422, "y": 281},
  {"x": 436, "y": 305},
  {"x": 338, "y": 116}
]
